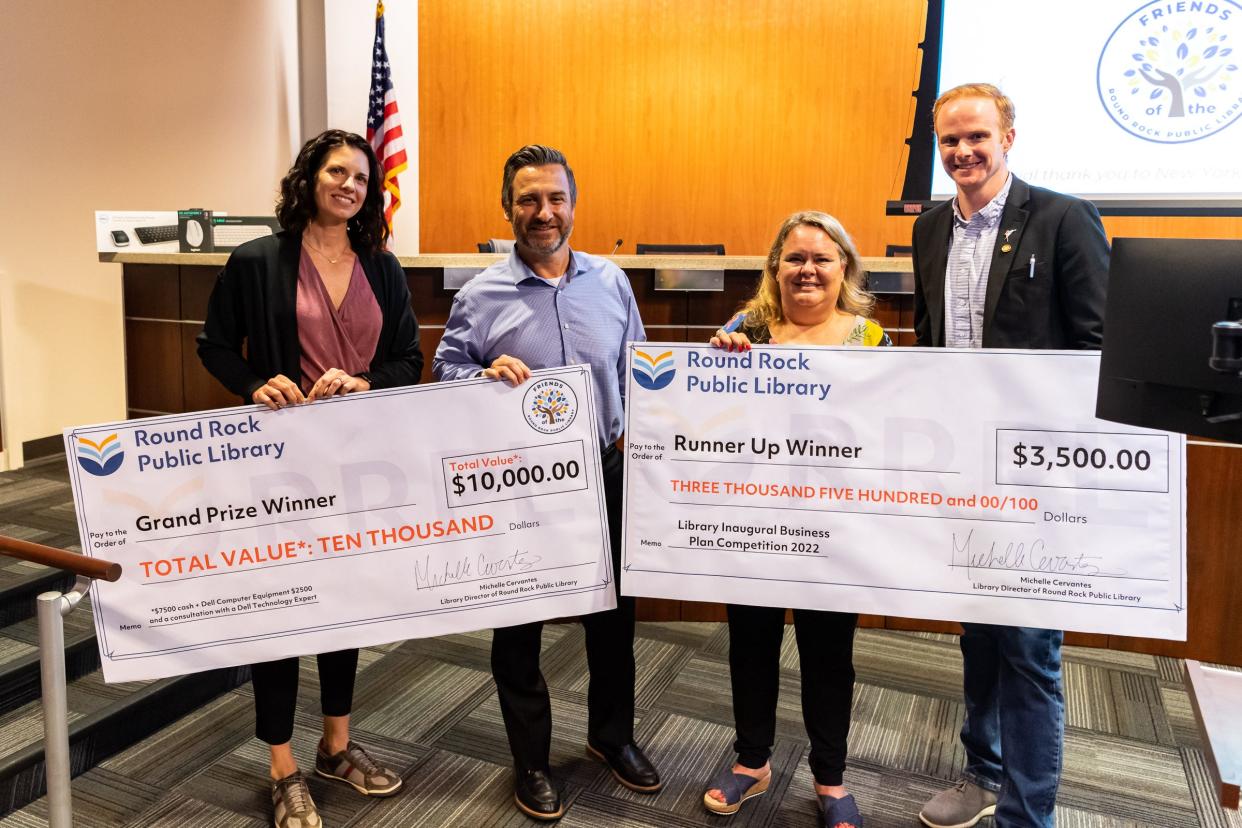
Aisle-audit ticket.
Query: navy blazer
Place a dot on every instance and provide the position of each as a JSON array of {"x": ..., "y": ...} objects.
[
  {"x": 1060, "y": 307},
  {"x": 255, "y": 302}
]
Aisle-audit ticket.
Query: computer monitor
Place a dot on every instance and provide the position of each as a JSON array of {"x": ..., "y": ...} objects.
[{"x": 1164, "y": 296}]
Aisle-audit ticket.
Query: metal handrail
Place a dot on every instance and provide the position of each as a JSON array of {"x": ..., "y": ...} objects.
[{"x": 52, "y": 608}]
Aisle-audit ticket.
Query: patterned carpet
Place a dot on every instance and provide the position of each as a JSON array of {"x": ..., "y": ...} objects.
[{"x": 428, "y": 708}]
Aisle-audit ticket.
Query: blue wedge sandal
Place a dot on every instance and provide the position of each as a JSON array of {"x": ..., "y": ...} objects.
[
  {"x": 837, "y": 810},
  {"x": 737, "y": 788}
]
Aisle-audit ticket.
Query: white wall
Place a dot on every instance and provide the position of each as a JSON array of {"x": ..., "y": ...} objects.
[{"x": 147, "y": 105}]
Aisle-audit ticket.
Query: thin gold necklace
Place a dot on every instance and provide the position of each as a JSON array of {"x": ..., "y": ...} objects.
[{"x": 331, "y": 260}]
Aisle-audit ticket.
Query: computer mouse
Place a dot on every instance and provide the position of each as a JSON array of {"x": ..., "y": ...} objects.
[
  {"x": 119, "y": 238},
  {"x": 194, "y": 232}
]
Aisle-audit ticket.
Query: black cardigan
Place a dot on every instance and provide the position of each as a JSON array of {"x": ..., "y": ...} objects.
[{"x": 255, "y": 298}]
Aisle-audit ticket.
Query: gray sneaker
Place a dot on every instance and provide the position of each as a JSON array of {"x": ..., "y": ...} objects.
[
  {"x": 292, "y": 803},
  {"x": 959, "y": 807},
  {"x": 355, "y": 767}
]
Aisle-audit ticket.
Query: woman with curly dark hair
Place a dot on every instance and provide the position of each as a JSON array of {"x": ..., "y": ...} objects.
[{"x": 321, "y": 310}]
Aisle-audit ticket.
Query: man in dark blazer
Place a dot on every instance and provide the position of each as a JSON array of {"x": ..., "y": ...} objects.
[{"x": 1004, "y": 265}]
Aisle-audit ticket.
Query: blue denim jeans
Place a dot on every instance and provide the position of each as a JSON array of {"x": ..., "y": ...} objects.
[{"x": 1015, "y": 719}]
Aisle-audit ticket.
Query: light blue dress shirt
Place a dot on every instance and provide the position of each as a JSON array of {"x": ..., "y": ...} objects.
[
  {"x": 966, "y": 274},
  {"x": 586, "y": 318}
]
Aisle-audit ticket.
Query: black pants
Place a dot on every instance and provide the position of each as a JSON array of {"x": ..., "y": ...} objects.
[
  {"x": 826, "y": 654},
  {"x": 276, "y": 692},
  {"x": 610, "y": 658}
]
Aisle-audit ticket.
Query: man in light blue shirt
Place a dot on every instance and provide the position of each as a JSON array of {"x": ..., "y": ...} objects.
[{"x": 544, "y": 307}]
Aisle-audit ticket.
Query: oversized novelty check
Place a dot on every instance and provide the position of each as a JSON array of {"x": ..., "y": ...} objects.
[
  {"x": 950, "y": 484},
  {"x": 247, "y": 535}
]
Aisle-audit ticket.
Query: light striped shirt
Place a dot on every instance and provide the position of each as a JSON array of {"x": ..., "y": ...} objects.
[
  {"x": 966, "y": 274},
  {"x": 586, "y": 318}
]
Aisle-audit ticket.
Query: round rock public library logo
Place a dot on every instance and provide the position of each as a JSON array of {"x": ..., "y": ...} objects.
[
  {"x": 1169, "y": 71},
  {"x": 100, "y": 458}
]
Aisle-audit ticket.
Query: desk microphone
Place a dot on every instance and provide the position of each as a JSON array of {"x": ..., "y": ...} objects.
[{"x": 615, "y": 249}]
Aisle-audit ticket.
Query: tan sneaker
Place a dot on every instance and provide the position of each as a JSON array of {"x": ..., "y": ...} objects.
[
  {"x": 292, "y": 804},
  {"x": 355, "y": 767},
  {"x": 959, "y": 807}
]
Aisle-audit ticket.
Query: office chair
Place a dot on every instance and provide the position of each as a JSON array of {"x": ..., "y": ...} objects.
[{"x": 496, "y": 246}]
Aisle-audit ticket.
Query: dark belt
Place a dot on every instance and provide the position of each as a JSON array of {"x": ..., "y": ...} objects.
[{"x": 607, "y": 451}]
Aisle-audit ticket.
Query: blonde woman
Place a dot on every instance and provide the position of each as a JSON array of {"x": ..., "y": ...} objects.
[{"x": 811, "y": 293}]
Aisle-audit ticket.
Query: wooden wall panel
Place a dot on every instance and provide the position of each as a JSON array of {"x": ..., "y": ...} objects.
[
  {"x": 686, "y": 121},
  {"x": 153, "y": 379},
  {"x": 151, "y": 291},
  {"x": 1213, "y": 561},
  {"x": 689, "y": 121},
  {"x": 431, "y": 304},
  {"x": 1169, "y": 227},
  {"x": 197, "y": 282}
]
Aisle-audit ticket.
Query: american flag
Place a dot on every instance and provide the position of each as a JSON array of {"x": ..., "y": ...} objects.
[{"x": 383, "y": 122}]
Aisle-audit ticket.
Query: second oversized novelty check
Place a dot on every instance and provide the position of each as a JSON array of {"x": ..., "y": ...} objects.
[
  {"x": 247, "y": 535},
  {"x": 960, "y": 485}
]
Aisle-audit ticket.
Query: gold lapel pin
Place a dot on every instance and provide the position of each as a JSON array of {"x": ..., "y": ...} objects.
[{"x": 1006, "y": 247}]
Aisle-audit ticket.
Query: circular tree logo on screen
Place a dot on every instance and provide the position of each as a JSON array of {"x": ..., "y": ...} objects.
[{"x": 1169, "y": 72}]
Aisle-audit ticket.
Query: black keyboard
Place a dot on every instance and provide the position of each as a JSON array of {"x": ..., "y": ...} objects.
[{"x": 155, "y": 235}]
